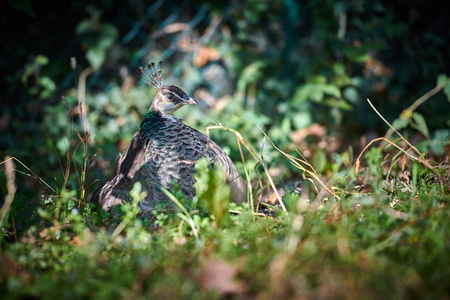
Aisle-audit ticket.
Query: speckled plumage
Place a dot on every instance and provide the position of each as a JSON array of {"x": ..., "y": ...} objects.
[{"x": 163, "y": 151}]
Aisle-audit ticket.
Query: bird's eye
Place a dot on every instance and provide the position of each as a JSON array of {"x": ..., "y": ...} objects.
[{"x": 170, "y": 96}]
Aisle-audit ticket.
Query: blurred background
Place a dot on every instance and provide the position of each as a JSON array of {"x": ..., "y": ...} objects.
[{"x": 302, "y": 70}]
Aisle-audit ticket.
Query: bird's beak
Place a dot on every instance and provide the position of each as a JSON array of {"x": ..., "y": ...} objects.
[{"x": 191, "y": 101}]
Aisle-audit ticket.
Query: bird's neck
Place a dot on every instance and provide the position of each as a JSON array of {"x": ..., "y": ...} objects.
[{"x": 151, "y": 121}]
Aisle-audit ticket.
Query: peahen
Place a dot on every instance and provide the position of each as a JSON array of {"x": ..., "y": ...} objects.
[{"x": 163, "y": 150}]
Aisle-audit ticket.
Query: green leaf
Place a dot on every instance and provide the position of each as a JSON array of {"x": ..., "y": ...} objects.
[
  {"x": 440, "y": 140},
  {"x": 251, "y": 73},
  {"x": 302, "y": 93},
  {"x": 84, "y": 27},
  {"x": 447, "y": 90},
  {"x": 211, "y": 188},
  {"x": 400, "y": 123},
  {"x": 48, "y": 87},
  {"x": 316, "y": 93},
  {"x": 356, "y": 54},
  {"x": 302, "y": 119},
  {"x": 362, "y": 57},
  {"x": 108, "y": 36},
  {"x": 373, "y": 157},
  {"x": 96, "y": 57},
  {"x": 290, "y": 200},
  {"x": 331, "y": 90},
  {"x": 318, "y": 79},
  {"x": 442, "y": 80},
  {"x": 351, "y": 94},
  {"x": 420, "y": 124},
  {"x": 24, "y": 6},
  {"x": 319, "y": 160},
  {"x": 339, "y": 69},
  {"x": 41, "y": 60},
  {"x": 342, "y": 104},
  {"x": 63, "y": 144},
  {"x": 285, "y": 126},
  {"x": 362, "y": 84}
]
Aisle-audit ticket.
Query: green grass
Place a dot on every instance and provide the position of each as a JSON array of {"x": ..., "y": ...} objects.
[{"x": 381, "y": 233}]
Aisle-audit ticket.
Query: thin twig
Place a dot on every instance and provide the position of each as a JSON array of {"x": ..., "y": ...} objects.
[{"x": 425, "y": 97}]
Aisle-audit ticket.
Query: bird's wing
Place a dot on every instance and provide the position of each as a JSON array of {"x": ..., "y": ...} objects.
[
  {"x": 232, "y": 175},
  {"x": 115, "y": 191}
]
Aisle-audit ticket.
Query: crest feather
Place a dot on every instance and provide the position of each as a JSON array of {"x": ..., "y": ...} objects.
[{"x": 155, "y": 77}]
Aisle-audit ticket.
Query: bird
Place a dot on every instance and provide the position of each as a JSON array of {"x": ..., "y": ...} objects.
[{"x": 165, "y": 151}]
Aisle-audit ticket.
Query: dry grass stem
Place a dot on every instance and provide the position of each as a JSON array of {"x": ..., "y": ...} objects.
[
  {"x": 395, "y": 130},
  {"x": 81, "y": 96},
  {"x": 415, "y": 105},
  {"x": 296, "y": 162},
  {"x": 241, "y": 141},
  {"x": 392, "y": 143},
  {"x": 10, "y": 187},
  {"x": 254, "y": 213},
  {"x": 32, "y": 175}
]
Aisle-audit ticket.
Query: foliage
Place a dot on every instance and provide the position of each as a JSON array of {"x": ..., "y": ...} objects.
[
  {"x": 360, "y": 219},
  {"x": 392, "y": 235}
]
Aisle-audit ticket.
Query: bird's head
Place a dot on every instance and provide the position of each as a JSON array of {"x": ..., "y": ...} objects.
[{"x": 168, "y": 98}]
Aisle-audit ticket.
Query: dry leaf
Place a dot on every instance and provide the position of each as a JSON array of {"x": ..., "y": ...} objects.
[
  {"x": 314, "y": 129},
  {"x": 175, "y": 27},
  {"x": 9, "y": 268},
  {"x": 403, "y": 162},
  {"x": 273, "y": 199},
  {"x": 219, "y": 276},
  {"x": 204, "y": 55}
]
